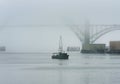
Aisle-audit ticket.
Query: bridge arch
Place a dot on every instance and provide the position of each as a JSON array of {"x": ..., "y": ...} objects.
[
  {"x": 97, "y": 35},
  {"x": 103, "y": 32}
]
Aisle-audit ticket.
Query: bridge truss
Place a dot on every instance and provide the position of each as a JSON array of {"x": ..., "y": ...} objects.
[{"x": 93, "y": 32}]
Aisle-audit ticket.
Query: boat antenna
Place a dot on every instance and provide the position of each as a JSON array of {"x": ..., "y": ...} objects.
[{"x": 60, "y": 44}]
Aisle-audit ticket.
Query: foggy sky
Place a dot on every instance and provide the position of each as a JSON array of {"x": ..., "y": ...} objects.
[{"x": 52, "y": 12}]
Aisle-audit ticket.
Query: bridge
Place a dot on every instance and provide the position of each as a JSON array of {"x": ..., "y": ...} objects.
[{"x": 89, "y": 33}]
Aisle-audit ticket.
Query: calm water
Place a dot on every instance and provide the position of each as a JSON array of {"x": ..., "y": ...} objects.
[{"x": 41, "y": 69}]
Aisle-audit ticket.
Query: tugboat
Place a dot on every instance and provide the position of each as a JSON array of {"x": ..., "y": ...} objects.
[{"x": 61, "y": 54}]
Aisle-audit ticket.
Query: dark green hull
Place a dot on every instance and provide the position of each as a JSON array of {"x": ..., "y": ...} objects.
[{"x": 60, "y": 56}]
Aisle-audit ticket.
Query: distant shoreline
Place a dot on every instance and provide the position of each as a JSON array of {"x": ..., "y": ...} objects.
[
  {"x": 25, "y": 52},
  {"x": 31, "y": 52}
]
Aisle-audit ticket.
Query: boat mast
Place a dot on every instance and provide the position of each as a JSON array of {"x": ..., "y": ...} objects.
[{"x": 60, "y": 45}]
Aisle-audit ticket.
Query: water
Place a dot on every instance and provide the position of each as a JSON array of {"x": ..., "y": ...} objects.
[{"x": 39, "y": 68}]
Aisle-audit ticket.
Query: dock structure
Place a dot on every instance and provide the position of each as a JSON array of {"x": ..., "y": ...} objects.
[{"x": 114, "y": 47}]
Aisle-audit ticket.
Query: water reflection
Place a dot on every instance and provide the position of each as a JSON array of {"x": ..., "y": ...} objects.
[
  {"x": 79, "y": 69},
  {"x": 87, "y": 76},
  {"x": 79, "y": 76},
  {"x": 62, "y": 62}
]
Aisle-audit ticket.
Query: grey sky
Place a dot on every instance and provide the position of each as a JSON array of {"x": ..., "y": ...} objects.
[{"x": 62, "y": 12}]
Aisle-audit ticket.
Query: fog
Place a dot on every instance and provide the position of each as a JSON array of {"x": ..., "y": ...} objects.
[{"x": 20, "y": 13}]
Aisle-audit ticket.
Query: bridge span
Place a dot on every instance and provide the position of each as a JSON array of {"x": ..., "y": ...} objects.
[{"x": 89, "y": 33}]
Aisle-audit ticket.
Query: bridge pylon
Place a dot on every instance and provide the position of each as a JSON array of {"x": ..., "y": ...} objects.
[{"x": 89, "y": 33}]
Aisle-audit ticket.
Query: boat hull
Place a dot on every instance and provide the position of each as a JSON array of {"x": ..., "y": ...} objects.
[{"x": 60, "y": 56}]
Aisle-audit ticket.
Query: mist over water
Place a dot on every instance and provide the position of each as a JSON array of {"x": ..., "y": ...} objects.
[
  {"x": 44, "y": 12},
  {"x": 41, "y": 69},
  {"x": 43, "y": 39},
  {"x": 30, "y": 28},
  {"x": 36, "y": 39}
]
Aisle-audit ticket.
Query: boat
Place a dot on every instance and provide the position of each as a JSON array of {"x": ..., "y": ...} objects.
[{"x": 60, "y": 54}]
